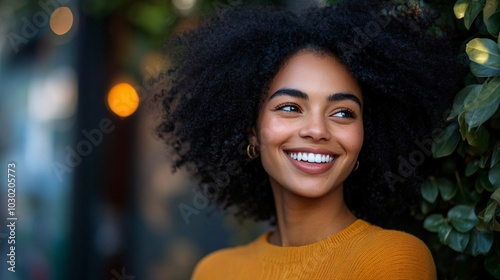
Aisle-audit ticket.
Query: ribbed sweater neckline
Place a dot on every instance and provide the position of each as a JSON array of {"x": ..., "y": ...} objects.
[{"x": 277, "y": 254}]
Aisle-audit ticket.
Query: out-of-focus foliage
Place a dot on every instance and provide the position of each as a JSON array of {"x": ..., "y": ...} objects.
[
  {"x": 157, "y": 19},
  {"x": 461, "y": 201}
]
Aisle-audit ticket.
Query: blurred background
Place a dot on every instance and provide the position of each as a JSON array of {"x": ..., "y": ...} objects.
[{"x": 95, "y": 196}]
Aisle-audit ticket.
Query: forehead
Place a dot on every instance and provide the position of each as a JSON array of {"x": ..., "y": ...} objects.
[{"x": 315, "y": 73}]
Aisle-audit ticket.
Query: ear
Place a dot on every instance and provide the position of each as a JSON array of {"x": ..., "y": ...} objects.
[{"x": 252, "y": 136}]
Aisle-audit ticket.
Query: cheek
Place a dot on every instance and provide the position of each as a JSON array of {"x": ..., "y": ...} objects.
[
  {"x": 351, "y": 137},
  {"x": 271, "y": 131}
]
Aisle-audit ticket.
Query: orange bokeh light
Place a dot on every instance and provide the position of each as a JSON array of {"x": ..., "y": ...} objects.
[
  {"x": 123, "y": 99},
  {"x": 61, "y": 20}
]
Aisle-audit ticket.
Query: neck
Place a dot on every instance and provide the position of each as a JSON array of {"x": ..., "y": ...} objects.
[{"x": 303, "y": 220}]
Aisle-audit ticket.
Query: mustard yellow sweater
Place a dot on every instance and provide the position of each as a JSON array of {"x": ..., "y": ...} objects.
[{"x": 360, "y": 251}]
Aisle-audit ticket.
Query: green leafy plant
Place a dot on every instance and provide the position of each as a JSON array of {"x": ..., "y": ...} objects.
[{"x": 461, "y": 202}]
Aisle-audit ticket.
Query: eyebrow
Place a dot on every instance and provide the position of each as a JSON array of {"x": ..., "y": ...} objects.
[
  {"x": 344, "y": 96},
  {"x": 290, "y": 92},
  {"x": 332, "y": 97}
]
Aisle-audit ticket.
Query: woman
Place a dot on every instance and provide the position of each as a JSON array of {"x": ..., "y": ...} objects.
[{"x": 327, "y": 103}]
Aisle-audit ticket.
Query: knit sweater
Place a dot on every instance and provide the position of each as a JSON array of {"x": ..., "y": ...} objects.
[{"x": 360, "y": 251}]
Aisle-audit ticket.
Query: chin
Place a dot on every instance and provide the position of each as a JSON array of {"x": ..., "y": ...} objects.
[{"x": 313, "y": 191}]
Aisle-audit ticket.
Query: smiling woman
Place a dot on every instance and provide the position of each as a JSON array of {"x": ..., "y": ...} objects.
[
  {"x": 310, "y": 132},
  {"x": 325, "y": 114}
]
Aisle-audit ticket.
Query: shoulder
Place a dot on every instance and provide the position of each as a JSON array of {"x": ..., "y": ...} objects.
[
  {"x": 211, "y": 264},
  {"x": 224, "y": 262},
  {"x": 396, "y": 255}
]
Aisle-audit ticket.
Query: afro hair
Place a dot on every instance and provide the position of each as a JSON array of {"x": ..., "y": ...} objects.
[{"x": 221, "y": 70}]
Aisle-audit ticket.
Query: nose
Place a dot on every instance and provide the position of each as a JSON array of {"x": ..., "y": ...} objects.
[{"x": 315, "y": 127}]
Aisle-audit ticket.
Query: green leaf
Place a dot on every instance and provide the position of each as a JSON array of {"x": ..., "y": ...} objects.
[
  {"x": 473, "y": 9},
  {"x": 489, "y": 211},
  {"x": 484, "y": 105},
  {"x": 444, "y": 233},
  {"x": 463, "y": 218},
  {"x": 425, "y": 207},
  {"x": 446, "y": 188},
  {"x": 494, "y": 176},
  {"x": 482, "y": 71},
  {"x": 458, "y": 103},
  {"x": 471, "y": 168},
  {"x": 490, "y": 92},
  {"x": 491, "y": 16},
  {"x": 458, "y": 241},
  {"x": 433, "y": 222},
  {"x": 475, "y": 197},
  {"x": 463, "y": 129},
  {"x": 495, "y": 121},
  {"x": 490, "y": 7},
  {"x": 482, "y": 226},
  {"x": 430, "y": 190},
  {"x": 496, "y": 196},
  {"x": 460, "y": 7},
  {"x": 479, "y": 138},
  {"x": 472, "y": 96},
  {"x": 494, "y": 225},
  {"x": 492, "y": 260},
  {"x": 492, "y": 24},
  {"x": 467, "y": 194},
  {"x": 495, "y": 155},
  {"x": 485, "y": 182},
  {"x": 483, "y": 160},
  {"x": 477, "y": 185},
  {"x": 485, "y": 57},
  {"x": 480, "y": 242},
  {"x": 472, "y": 150},
  {"x": 445, "y": 143}
]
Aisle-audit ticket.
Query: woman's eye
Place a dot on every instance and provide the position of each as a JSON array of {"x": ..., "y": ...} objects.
[
  {"x": 288, "y": 108},
  {"x": 345, "y": 114}
]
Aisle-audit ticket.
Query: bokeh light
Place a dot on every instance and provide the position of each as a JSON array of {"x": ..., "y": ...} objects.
[
  {"x": 54, "y": 95},
  {"x": 61, "y": 20},
  {"x": 123, "y": 99},
  {"x": 184, "y": 5}
]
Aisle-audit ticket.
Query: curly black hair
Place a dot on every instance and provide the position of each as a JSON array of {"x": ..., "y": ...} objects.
[{"x": 222, "y": 69}]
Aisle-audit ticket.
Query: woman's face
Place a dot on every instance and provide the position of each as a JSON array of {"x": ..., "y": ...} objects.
[{"x": 310, "y": 127}]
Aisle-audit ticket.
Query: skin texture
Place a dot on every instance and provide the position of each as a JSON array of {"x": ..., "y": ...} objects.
[{"x": 309, "y": 196}]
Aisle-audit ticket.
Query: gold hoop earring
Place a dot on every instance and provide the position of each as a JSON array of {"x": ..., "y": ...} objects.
[
  {"x": 252, "y": 152},
  {"x": 357, "y": 166}
]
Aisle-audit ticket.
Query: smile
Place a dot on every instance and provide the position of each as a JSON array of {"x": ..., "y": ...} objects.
[{"x": 312, "y": 158}]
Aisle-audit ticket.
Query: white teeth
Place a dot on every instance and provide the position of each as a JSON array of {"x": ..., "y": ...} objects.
[
  {"x": 310, "y": 157},
  {"x": 317, "y": 158}
]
